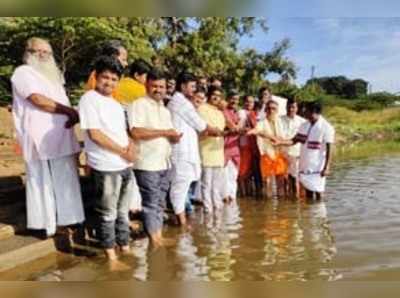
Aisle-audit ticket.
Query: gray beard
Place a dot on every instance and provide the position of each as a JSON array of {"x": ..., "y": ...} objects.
[{"x": 47, "y": 68}]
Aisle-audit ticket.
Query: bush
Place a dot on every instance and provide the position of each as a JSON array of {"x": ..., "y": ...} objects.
[
  {"x": 384, "y": 99},
  {"x": 5, "y": 92}
]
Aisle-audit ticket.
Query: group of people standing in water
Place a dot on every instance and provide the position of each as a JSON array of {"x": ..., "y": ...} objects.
[{"x": 153, "y": 141}]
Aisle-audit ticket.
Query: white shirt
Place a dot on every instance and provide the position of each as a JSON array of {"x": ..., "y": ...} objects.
[
  {"x": 104, "y": 113},
  {"x": 313, "y": 149},
  {"x": 290, "y": 128},
  {"x": 42, "y": 135},
  {"x": 155, "y": 154},
  {"x": 186, "y": 120}
]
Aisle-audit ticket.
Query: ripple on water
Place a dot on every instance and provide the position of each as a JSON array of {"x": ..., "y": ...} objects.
[{"x": 352, "y": 232}]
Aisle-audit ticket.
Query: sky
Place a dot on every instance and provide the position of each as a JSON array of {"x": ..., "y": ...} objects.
[{"x": 349, "y": 44}]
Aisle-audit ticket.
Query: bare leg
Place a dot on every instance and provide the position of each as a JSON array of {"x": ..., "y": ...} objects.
[
  {"x": 281, "y": 186},
  {"x": 242, "y": 187},
  {"x": 125, "y": 250},
  {"x": 111, "y": 254},
  {"x": 182, "y": 219},
  {"x": 309, "y": 194},
  {"x": 155, "y": 240}
]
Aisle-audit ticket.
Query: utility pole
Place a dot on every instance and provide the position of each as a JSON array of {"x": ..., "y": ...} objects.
[
  {"x": 312, "y": 71},
  {"x": 312, "y": 77}
]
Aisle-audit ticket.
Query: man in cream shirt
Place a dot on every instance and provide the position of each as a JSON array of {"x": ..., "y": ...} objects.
[
  {"x": 151, "y": 126},
  {"x": 212, "y": 153}
]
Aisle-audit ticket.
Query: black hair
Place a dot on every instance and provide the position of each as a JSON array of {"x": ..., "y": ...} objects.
[
  {"x": 212, "y": 89},
  {"x": 156, "y": 75},
  {"x": 261, "y": 91},
  {"x": 111, "y": 48},
  {"x": 201, "y": 90},
  {"x": 184, "y": 78},
  {"x": 212, "y": 79},
  {"x": 246, "y": 96},
  {"x": 140, "y": 67},
  {"x": 314, "y": 107},
  {"x": 107, "y": 63},
  {"x": 291, "y": 100},
  {"x": 232, "y": 93}
]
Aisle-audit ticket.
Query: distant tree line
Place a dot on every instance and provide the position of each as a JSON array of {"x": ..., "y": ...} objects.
[{"x": 341, "y": 86}]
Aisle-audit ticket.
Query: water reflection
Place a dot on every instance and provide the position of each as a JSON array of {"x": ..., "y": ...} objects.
[
  {"x": 253, "y": 240},
  {"x": 257, "y": 240}
]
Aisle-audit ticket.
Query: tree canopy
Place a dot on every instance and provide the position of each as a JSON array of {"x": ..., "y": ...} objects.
[
  {"x": 341, "y": 86},
  {"x": 207, "y": 46}
]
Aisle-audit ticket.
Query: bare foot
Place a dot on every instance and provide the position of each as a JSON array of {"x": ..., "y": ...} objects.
[
  {"x": 167, "y": 242},
  {"x": 134, "y": 225},
  {"x": 116, "y": 265},
  {"x": 187, "y": 227},
  {"x": 125, "y": 250},
  {"x": 155, "y": 240},
  {"x": 182, "y": 221},
  {"x": 111, "y": 254}
]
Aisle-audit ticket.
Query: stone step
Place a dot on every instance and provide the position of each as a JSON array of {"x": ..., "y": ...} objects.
[
  {"x": 19, "y": 250},
  {"x": 34, "y": 270},
  {"x": 13, "y": 226}
]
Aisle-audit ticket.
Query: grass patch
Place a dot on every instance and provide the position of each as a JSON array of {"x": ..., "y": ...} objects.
[{"x": 365, "y": 124}]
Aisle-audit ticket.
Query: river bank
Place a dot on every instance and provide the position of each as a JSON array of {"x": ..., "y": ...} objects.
[{"x": 358, "y": 127}]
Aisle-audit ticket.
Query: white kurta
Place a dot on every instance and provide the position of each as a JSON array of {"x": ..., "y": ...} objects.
[
  {"x": 186, "y": 163},
  {"x": 41, "y": 135},
  {"x": 291, "y": 127},
  {"x": 53, "y": 192},
  {"x": 314, "y": 139}
]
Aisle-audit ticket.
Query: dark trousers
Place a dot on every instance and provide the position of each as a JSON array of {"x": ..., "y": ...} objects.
[
  {"x": 153, "y": 187},
  {"x": 113, "y": 193}
]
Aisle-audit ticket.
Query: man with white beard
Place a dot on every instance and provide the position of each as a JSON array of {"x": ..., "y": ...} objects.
[{"x": 44, "y": 121}]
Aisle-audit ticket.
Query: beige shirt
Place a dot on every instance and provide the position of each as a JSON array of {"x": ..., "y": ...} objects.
[
  {"x": 155, "y": 154},
  {"x": 212, "y": 148}
]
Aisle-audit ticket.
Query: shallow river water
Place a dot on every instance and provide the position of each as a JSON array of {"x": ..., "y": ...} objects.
[{"x": 352, "y": 234}]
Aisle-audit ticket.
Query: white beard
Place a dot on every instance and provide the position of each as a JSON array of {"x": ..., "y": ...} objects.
[{"x": 47, "y": 68}]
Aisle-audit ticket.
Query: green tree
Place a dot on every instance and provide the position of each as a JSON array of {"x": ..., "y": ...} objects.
[
  {"x": 201, "y": 45},
  {"x": 341, "y": 86}
]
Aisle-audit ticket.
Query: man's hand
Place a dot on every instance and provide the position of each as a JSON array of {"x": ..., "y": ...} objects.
[
  {"x": 214, "y": 132},
  {"x": 173, "y": 136},
  {"x": 73, "y": 118},
  {"x": 129, "y": 152},
  {"x": 325, "y": 172},
  {"x": 251, "y": 132}
]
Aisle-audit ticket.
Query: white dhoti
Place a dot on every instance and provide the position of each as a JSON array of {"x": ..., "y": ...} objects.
[
  {"x": 136, "y": 202},
  {"x": 182, "y": 175},
  {"x": 53, "y": 194},
  {"x": 212, "y": 181},
  {"x": 313, "y": 182},
  {"x": 293, "y": 166},
  {"x": 231, "y": 176}
]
